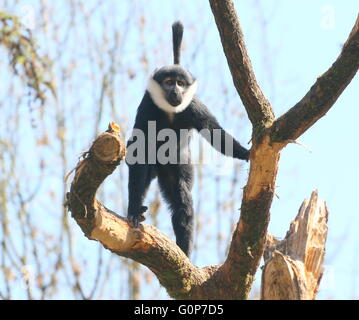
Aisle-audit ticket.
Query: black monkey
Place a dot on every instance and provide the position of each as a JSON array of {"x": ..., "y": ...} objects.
[{"x": 170, "y": 103}]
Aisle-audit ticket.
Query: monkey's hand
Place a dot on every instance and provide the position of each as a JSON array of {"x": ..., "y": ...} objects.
[
  {"x": 246, "y": 155},
  {"x": 241, "y": 153},
  {"x": 137, "y": 217}
]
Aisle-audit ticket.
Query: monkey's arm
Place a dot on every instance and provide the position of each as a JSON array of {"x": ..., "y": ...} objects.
[
  {"x": 137, "y": 180},
  {"x": 208, "y": 126},
  {"x": 138, "y": 172},
  {"x": 136, "y": 192}
]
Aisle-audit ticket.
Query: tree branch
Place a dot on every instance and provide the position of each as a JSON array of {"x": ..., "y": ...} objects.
[
  {"x": 322, "y": 95},
  {"x": 146, "y": 244},
  {"x": 249, "y": 237},
  {"x": 257, "y": 106}
]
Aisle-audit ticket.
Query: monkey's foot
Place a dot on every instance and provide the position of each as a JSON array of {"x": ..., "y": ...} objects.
[{"x": 138, "y": 218}]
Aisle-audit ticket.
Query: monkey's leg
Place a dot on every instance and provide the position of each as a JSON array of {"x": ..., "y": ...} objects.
[
  {"x": 176, "y": 184},
  {"x": 140, "y": 177}
]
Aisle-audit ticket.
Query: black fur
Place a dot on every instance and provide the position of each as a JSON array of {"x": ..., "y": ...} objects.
[
  {"x": 175, "y": 180},
  {"x": 172, "y": 72},
  {"x": 177, "y": 34}
]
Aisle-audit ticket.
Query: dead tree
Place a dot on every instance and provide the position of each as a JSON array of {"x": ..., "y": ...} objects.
[{"x": 233, "y": 279}]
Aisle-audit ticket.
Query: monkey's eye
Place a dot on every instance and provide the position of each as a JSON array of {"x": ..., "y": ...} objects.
[
  {"x": 169, "y": 82},
  {"x": 181, "y": 83}
]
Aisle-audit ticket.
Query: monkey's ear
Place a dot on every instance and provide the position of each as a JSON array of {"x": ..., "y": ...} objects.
[
  {"x": 194, "y": 79},
  {"x": 153, "y": 73}
]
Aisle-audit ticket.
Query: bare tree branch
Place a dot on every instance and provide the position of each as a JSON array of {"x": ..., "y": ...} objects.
[
  {"x": 249, "y": 238},
  {"x": 257, "y": 106},
  {"x": 322, "y": 95}
]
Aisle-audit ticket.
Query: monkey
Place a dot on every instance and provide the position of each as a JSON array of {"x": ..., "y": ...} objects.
[{"x": 170, "y": 102}]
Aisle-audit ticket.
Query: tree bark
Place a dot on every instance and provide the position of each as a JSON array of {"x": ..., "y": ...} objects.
[
  {"x": 293, "y": 267},
  {"x": 257, "y": 106}
]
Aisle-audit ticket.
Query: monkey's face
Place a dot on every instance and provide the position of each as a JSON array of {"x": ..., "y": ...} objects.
[
  {"x": 177, "y": 85},
  {"x": 174, "y": 89}
]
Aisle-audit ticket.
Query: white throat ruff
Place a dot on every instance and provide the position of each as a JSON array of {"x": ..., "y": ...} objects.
[{"x": 159, "y": 99}]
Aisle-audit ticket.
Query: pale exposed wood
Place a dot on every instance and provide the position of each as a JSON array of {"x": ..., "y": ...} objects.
[
  {"x": 263, "y": 168},
  {"x": 293, "y": 266},
  {"x": 249, "y": 237}
]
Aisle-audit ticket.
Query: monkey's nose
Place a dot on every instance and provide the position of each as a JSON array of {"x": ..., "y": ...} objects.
[{"x": 175, "y": 99}]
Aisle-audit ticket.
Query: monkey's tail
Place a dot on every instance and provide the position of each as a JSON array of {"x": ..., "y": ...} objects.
[{"x": 177, "y": 34}]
